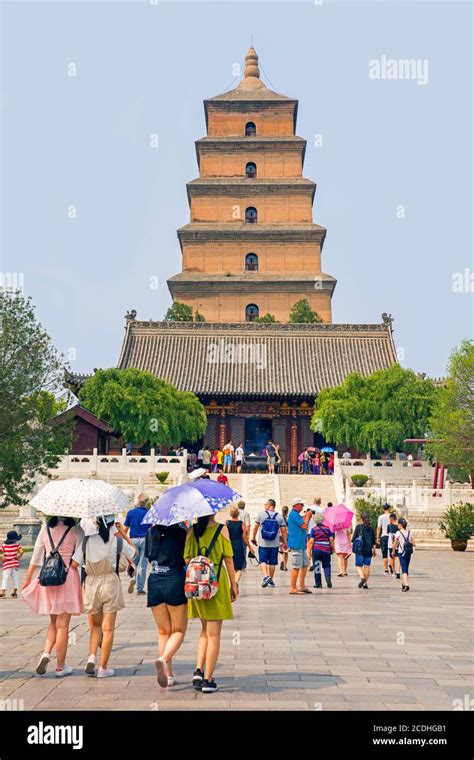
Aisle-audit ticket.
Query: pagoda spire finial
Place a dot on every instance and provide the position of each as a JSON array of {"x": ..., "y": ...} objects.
[{"x": 251, "y": 65}]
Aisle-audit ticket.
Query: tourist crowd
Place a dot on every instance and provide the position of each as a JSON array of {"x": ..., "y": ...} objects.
[{"x": 194, "y": 572}]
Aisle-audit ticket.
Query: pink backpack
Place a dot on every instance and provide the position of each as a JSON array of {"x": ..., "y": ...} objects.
[{"x": 202, "y": 579}]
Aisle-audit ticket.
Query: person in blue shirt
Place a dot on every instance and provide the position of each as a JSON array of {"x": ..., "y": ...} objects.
[
  {"x": 297, "y": 538},
  {"x": 137, "y": 532}
]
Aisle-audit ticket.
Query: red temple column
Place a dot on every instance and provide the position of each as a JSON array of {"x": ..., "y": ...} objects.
[
  {"x": 435, "y": 476},
  {"x": 294, "y": 443},
  {"x": 222, "y": 434},
  {"x": 441, "y": 476}
]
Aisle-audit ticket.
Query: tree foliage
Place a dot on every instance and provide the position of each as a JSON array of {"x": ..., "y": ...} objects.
[
  {"x": 375, "y": 413},
  {"x": 268, "y": 319},
  {"x": 302, "y": 312},
  {"x": 181, "y": 312},
  {"x": 143, "y": 407},
  {"x": 31, "y": 373},
  {"x": 452, "y": 418}
]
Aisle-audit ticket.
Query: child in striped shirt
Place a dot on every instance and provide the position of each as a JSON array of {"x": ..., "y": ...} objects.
[{"x": 12, "y": 552}]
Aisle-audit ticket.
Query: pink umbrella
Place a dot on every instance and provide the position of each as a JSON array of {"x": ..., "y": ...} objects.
[{"x": 338, "y": 517}]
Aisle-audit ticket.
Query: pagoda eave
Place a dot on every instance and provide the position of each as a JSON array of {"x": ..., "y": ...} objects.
[{"x": 197, "y": 232}]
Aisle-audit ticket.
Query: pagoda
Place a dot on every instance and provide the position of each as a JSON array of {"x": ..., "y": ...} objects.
[{"x": 251, "y": 247}]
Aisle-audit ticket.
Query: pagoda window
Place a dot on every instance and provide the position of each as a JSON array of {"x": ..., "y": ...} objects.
[
  {"x": 251, "y": 312},
  {"x": 251, "y": 170},
  {"x": 251, "y": 216},
  {"x": 250, "y": 129},
  {"x": 251, "y": 262}
]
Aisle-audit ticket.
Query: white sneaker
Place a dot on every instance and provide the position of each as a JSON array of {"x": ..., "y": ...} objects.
[
  {"x": 161, "y": 672},
  {"x": 66, "y": 670},
  {"x": 90, "y": 665},
  {"x": 105, "y": 672},
  {"x": 171, "y": 681},
  {"x": 43, "y": 664}
]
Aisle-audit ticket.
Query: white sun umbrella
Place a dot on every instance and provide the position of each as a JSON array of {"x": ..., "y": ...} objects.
[{"x": 80, "y": 497}]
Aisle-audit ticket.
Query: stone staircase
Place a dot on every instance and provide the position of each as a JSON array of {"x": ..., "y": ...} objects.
[
  {"x": 256, "y": 489},
  {"x": 424, "y": 522},
  {"x": 307, "y": 487}
]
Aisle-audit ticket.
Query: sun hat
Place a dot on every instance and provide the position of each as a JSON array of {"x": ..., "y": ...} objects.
[
  {"x": 295, "y": 502},
  {"x": 197, "y": 473},
  {"x": 12, "y": 537}
]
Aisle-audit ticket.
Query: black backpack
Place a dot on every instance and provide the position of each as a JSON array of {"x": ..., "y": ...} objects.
[
  {"x": 407, "y": 546},
  {"x": 53, "y": 571},
  {"x": 117, "y": 561}
]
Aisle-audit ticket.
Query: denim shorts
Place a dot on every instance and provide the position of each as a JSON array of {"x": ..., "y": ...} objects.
[
  {"x": 384, "y": 546},
  {"x": 166, "y": 587},
  {"x": 361, "y": 560},
  {"x": 299, "y": 559},
  {"x": 228, "y": 459},
  {"x": 268, "y": 554}
]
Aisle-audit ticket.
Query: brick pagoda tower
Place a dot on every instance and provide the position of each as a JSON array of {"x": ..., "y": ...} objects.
[{"x": 251, "y": 246}]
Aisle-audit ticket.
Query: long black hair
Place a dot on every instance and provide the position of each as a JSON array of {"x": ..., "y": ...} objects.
[
  {"x": 53, "y": 521},
  {"x": 201, "y": 526}
]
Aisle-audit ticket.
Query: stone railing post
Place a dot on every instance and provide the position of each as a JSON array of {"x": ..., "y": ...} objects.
[
  {"x": 123, "y": 459},
  {"x": 95, "y": 460}
]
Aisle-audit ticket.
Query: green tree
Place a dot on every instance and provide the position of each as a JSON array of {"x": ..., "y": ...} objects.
[
  {"x": 266, "y": 319},
  {"x": 452, "y": 418},
  {"x": 302, "y": 312},
  {"x": 375, "y": 413},
  {"x": 31, "y": 373},
  {"x": 181, "y": 312},
  {"x": 143, "y": 407}
]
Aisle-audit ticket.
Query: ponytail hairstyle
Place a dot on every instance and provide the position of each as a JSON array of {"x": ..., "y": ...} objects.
[
  {"x": 402, "y": 522},
  {"x": 103, "y": 529}
]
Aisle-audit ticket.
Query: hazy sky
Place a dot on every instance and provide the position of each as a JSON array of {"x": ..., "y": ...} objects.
[{"x": 394, "y": 170}]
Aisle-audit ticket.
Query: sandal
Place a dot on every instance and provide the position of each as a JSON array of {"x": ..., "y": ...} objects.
[
  {"x": 297, "y": 593},
  {"x": 305, "y": 591}
]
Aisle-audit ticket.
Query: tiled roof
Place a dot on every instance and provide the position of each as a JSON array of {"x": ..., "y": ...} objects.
[{"x": 255, "y": 359}]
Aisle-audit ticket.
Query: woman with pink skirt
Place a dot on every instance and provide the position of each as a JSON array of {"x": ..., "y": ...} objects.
[
  {"x": 59, "y": 602},
  {"x": 342, "y": 540}
]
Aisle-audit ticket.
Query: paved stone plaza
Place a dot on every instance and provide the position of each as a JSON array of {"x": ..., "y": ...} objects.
[{"x": 340, "y": 649}]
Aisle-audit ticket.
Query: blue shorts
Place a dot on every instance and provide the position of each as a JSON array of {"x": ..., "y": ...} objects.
[
  {"x": 228, "y": 459},
  {"x": 268, "y": 554},
  {"x": 361, "y": 560}
]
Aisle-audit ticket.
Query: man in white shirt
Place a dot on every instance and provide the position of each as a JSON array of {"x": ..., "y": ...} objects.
[
  {"x": 382, "y": 535},
  {"x": 228, "y": 456},
  {"x": 239, "y": 457}
]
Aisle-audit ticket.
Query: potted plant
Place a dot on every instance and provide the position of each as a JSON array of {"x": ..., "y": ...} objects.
[
  {"x": 162, "y": 477},
  {"x": 457, "y": 524},
  {"x": 359, "y": 480}
]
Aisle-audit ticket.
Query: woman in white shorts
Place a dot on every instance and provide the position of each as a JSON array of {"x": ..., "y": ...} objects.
[{"x": 102, "y": 592}]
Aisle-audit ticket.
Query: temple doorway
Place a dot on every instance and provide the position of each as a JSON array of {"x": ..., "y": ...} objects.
[{"x": 257, "y": 434}]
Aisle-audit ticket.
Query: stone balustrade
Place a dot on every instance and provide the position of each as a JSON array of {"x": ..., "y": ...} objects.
[{"x": 104, "y": 466}]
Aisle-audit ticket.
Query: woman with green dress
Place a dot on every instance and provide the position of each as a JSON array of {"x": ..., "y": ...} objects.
[{"x": 213, "y": 611}]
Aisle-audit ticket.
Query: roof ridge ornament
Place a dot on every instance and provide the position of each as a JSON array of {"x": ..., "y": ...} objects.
[
  {"x": 130, "y": 316},
  {"x": 387, "y": 319}
]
